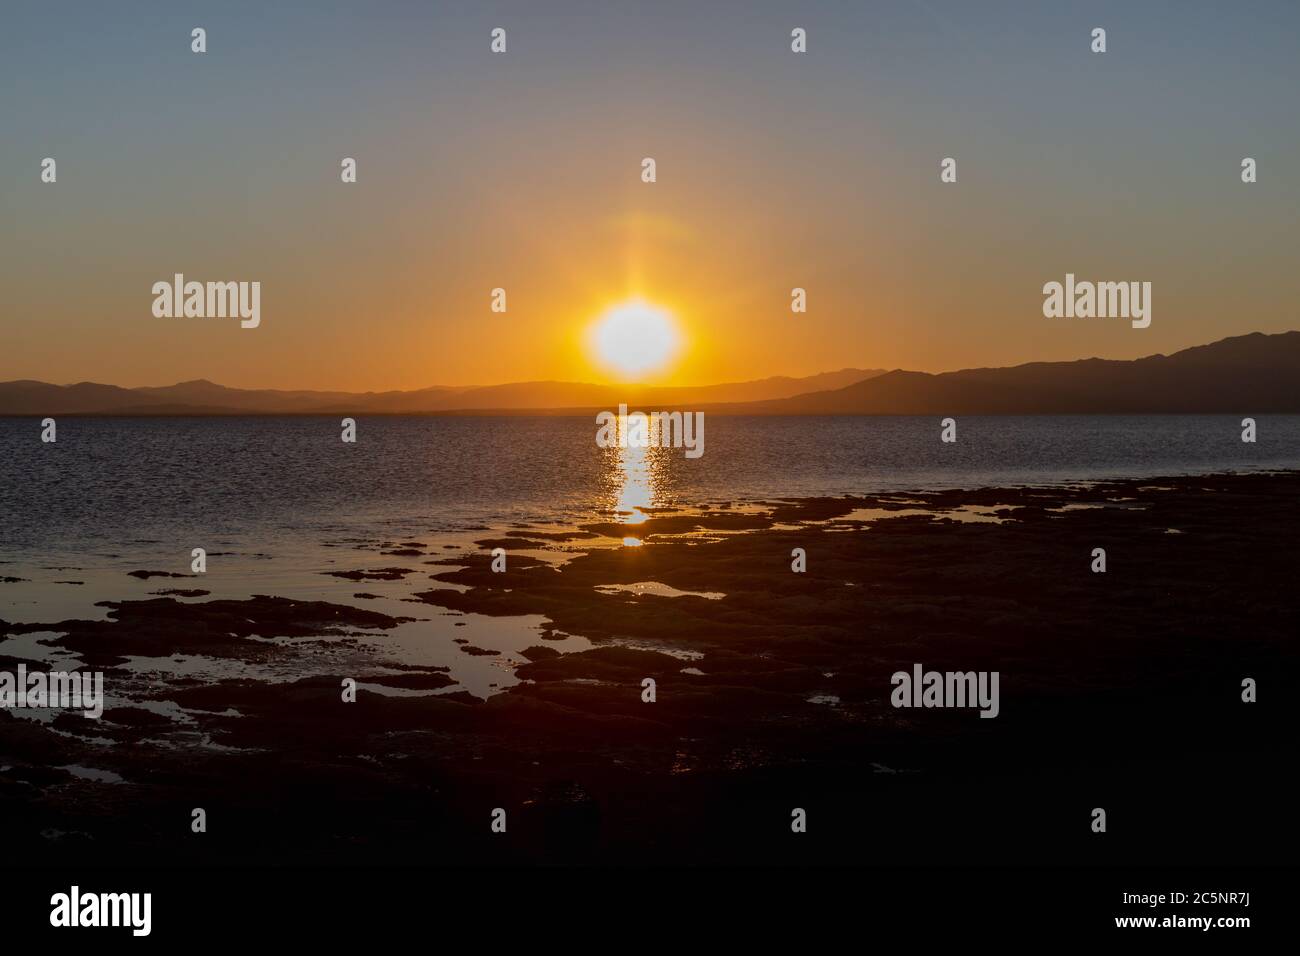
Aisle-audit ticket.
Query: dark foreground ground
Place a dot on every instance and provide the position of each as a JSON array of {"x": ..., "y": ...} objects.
[{"x": 1119, "y": 690}]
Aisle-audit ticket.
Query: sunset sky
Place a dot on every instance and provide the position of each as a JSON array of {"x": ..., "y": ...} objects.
[{"x": 522, "y": 171}]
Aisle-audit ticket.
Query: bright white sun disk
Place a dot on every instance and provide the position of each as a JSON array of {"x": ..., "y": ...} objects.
[{"x": 635, "y": 337}]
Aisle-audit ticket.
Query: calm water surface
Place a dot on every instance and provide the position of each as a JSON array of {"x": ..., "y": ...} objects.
[
  {"x": 107, "y": 482},
  {"x": 278, "y": 501}
]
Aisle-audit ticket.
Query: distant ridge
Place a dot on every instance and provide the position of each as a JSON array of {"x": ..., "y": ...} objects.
[
  {"x": 1254, "y": 373},
  {"x": 201, "y": 397}
]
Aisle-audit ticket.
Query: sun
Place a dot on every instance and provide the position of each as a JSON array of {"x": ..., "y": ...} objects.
[{"x": 635, "y": 337}]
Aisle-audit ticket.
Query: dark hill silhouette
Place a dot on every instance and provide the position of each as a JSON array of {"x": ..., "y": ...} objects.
[
  {"x": 201, "y": 397},
  {"x": 1249, "y": 373},
  {"x": 1246, "y": 374}
]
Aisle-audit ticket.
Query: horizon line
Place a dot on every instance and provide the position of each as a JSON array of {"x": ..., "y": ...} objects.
[{"x": 639, "y": 385}]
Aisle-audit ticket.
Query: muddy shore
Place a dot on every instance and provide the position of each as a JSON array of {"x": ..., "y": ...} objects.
[{"x": 1119, "y": 690}]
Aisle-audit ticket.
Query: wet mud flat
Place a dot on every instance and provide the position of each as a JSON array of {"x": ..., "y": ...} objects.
[{"x": 1119, "y": 690}]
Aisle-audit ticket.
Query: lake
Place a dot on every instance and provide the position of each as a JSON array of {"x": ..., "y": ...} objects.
[{"x": 110, "y": 481}]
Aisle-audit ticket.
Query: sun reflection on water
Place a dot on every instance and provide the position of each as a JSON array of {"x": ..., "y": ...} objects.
[{"x": 636, "y": 475}]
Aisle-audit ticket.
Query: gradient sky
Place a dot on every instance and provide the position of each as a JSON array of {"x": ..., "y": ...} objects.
[{"x": 523, "y": 171}]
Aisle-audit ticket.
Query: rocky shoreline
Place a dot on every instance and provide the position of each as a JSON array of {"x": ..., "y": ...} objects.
[{"x": 1120, "y": 690}]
